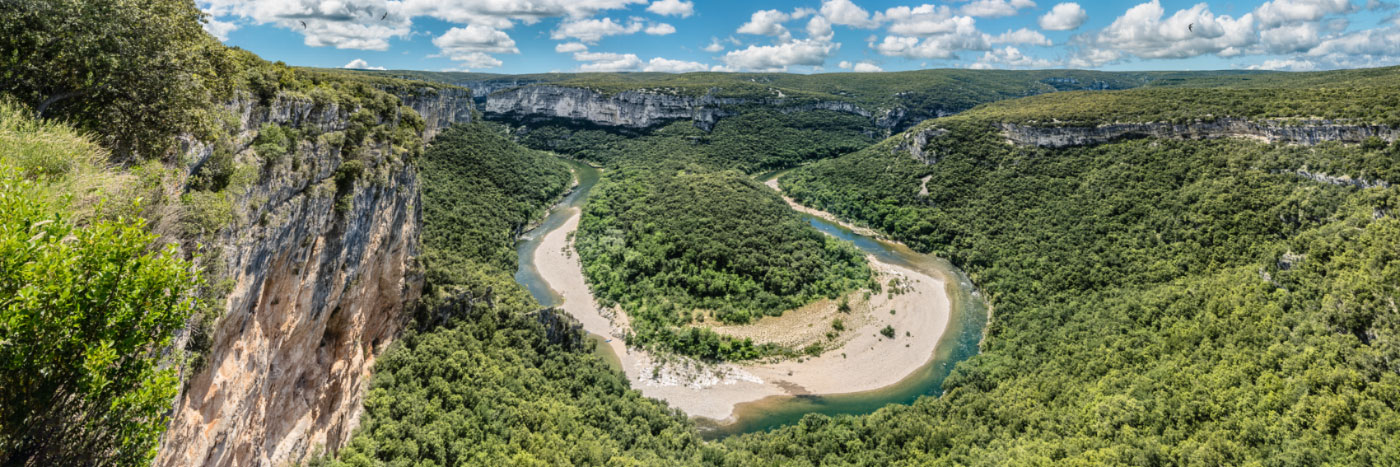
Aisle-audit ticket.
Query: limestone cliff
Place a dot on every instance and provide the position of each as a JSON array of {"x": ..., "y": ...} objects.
[
  {"x": 440, "y": 108},
  {"x": 1304, "y": 132},
  {"x": 321, "y": 261},
  {"x": 645, "y": 108}
]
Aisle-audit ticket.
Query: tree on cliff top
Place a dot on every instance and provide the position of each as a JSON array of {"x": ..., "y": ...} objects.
[{"x": 136, "y": 71}]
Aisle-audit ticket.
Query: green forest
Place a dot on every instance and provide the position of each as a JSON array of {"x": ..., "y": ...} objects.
[
  {"x": 479, "y": 192},
  {"x": 756, "y": 141},
  {"x": 1155, "y": 301},
  {"x": 478, "y": 380},
  {"x": 671, "y": 241}
]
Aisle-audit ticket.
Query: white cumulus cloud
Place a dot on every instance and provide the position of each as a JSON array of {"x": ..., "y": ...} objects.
[
  {"x": 361, "y": 64},
  {"x": 765, "y": 23},
  {"x": 607, "y": 61},
  {"x": 219, "y": 29},
  {"x": 674, "y": 66},
  {"x": 472, "y": 45},
  {"x": 1146, "y": 32},
  {"x": 1022, "y": 36},
  {"x": 995, "y": 8},
  {"x": 861, "y": 67},
  {"x": 1064, "y": 17},
  {"x": 921, "y": 34},
  {"x": 1010, "y": 57},
  {"x": 660, "y": 29},
  {"x": 589, "y": 31},
  {"x": 845, "y": 13},
  {"x": 1278, "y": 12},
  {"x": 672, "y": 8},
  {"x": 1289, "y": 64},
  {"x": 778, "y": 57},
  {"x": 569, "y": 47}
]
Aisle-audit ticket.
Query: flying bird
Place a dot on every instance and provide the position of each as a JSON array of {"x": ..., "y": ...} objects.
[
  {"x": 1190, "y": 27},
  {"x": 385, "y": 15},
  {"x": 303, "y": 24}
]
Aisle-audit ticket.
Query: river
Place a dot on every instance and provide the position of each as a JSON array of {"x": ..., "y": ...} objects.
[{"x": 958, "y": 342}]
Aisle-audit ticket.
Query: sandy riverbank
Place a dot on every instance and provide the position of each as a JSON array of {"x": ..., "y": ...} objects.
[{"x": 860, "y": 359}]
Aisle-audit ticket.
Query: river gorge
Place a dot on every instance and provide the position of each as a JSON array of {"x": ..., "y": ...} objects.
[{"x": 940, "y": 319}]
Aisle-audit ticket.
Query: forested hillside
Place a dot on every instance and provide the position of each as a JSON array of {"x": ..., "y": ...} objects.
[
  {"x": 756, "y": 141},
  {"x": 479, "y": 191},
  {"x": 1156, "y": 301},
  {"x": 1369, "y": 96},
  {"x": 483, "y": 380}
]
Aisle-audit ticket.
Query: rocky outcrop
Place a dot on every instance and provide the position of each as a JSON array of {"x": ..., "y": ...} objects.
[
  {"x": 440, "y": 108},
  {"x": 916, "y": 144},
  {"x": 1305, "y": 132},
  {"x": 481, "y": 89},
  {"x": 320, "y": 262},
  {"x": 647, "y": 108},
  {"x": 1340, "y": 180}
]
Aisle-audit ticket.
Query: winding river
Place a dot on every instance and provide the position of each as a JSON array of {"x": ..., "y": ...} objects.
[{"x": 968, "y": 317}]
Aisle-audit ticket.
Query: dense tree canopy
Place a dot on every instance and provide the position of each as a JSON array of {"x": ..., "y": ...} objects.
[
  {"x": 137, "y": 72},
  {"x": 1156, "y": 301},
  {"x": 479, "y": 190},
  {"x": 665, "y": 240},
  {"x": 754, "y": 141}
]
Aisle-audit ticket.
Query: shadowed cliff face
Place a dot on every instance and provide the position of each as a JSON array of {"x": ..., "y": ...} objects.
[{"x": 319, "y": 290}]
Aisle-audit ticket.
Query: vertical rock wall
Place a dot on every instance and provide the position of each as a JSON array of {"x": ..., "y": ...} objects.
[{"x": 322, "y": 273}]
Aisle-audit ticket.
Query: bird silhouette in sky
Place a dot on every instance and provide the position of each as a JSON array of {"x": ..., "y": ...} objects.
[
  {"x": 1191, "y": 27},
  {"x": 303, "y": 24},
  {"x": 385, "y": 15}
]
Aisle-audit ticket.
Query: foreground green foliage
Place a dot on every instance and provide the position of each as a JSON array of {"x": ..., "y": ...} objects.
[
  {"x": 87, "y": 311},
  {"x": 479, "y": 191},
  {"x": 666, "y": 240},
  {"x": 138, "y": 72}
]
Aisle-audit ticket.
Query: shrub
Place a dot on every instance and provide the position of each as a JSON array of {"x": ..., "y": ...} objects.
[{"x": 87, "y": 315}]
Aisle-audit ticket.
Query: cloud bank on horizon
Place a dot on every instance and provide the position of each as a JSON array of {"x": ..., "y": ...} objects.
[{"x": 526, "y": 36}]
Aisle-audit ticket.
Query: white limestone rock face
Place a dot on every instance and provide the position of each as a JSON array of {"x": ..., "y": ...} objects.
[
  {"x": 647, "y": 108},
  {"x": 440, "y": 108},
  {"x": 1305, "y": 132},
  {"x": 318, "y": 292}
]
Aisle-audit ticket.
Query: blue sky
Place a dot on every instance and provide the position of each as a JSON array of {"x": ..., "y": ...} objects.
[{"x": 533, "y": 36}]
